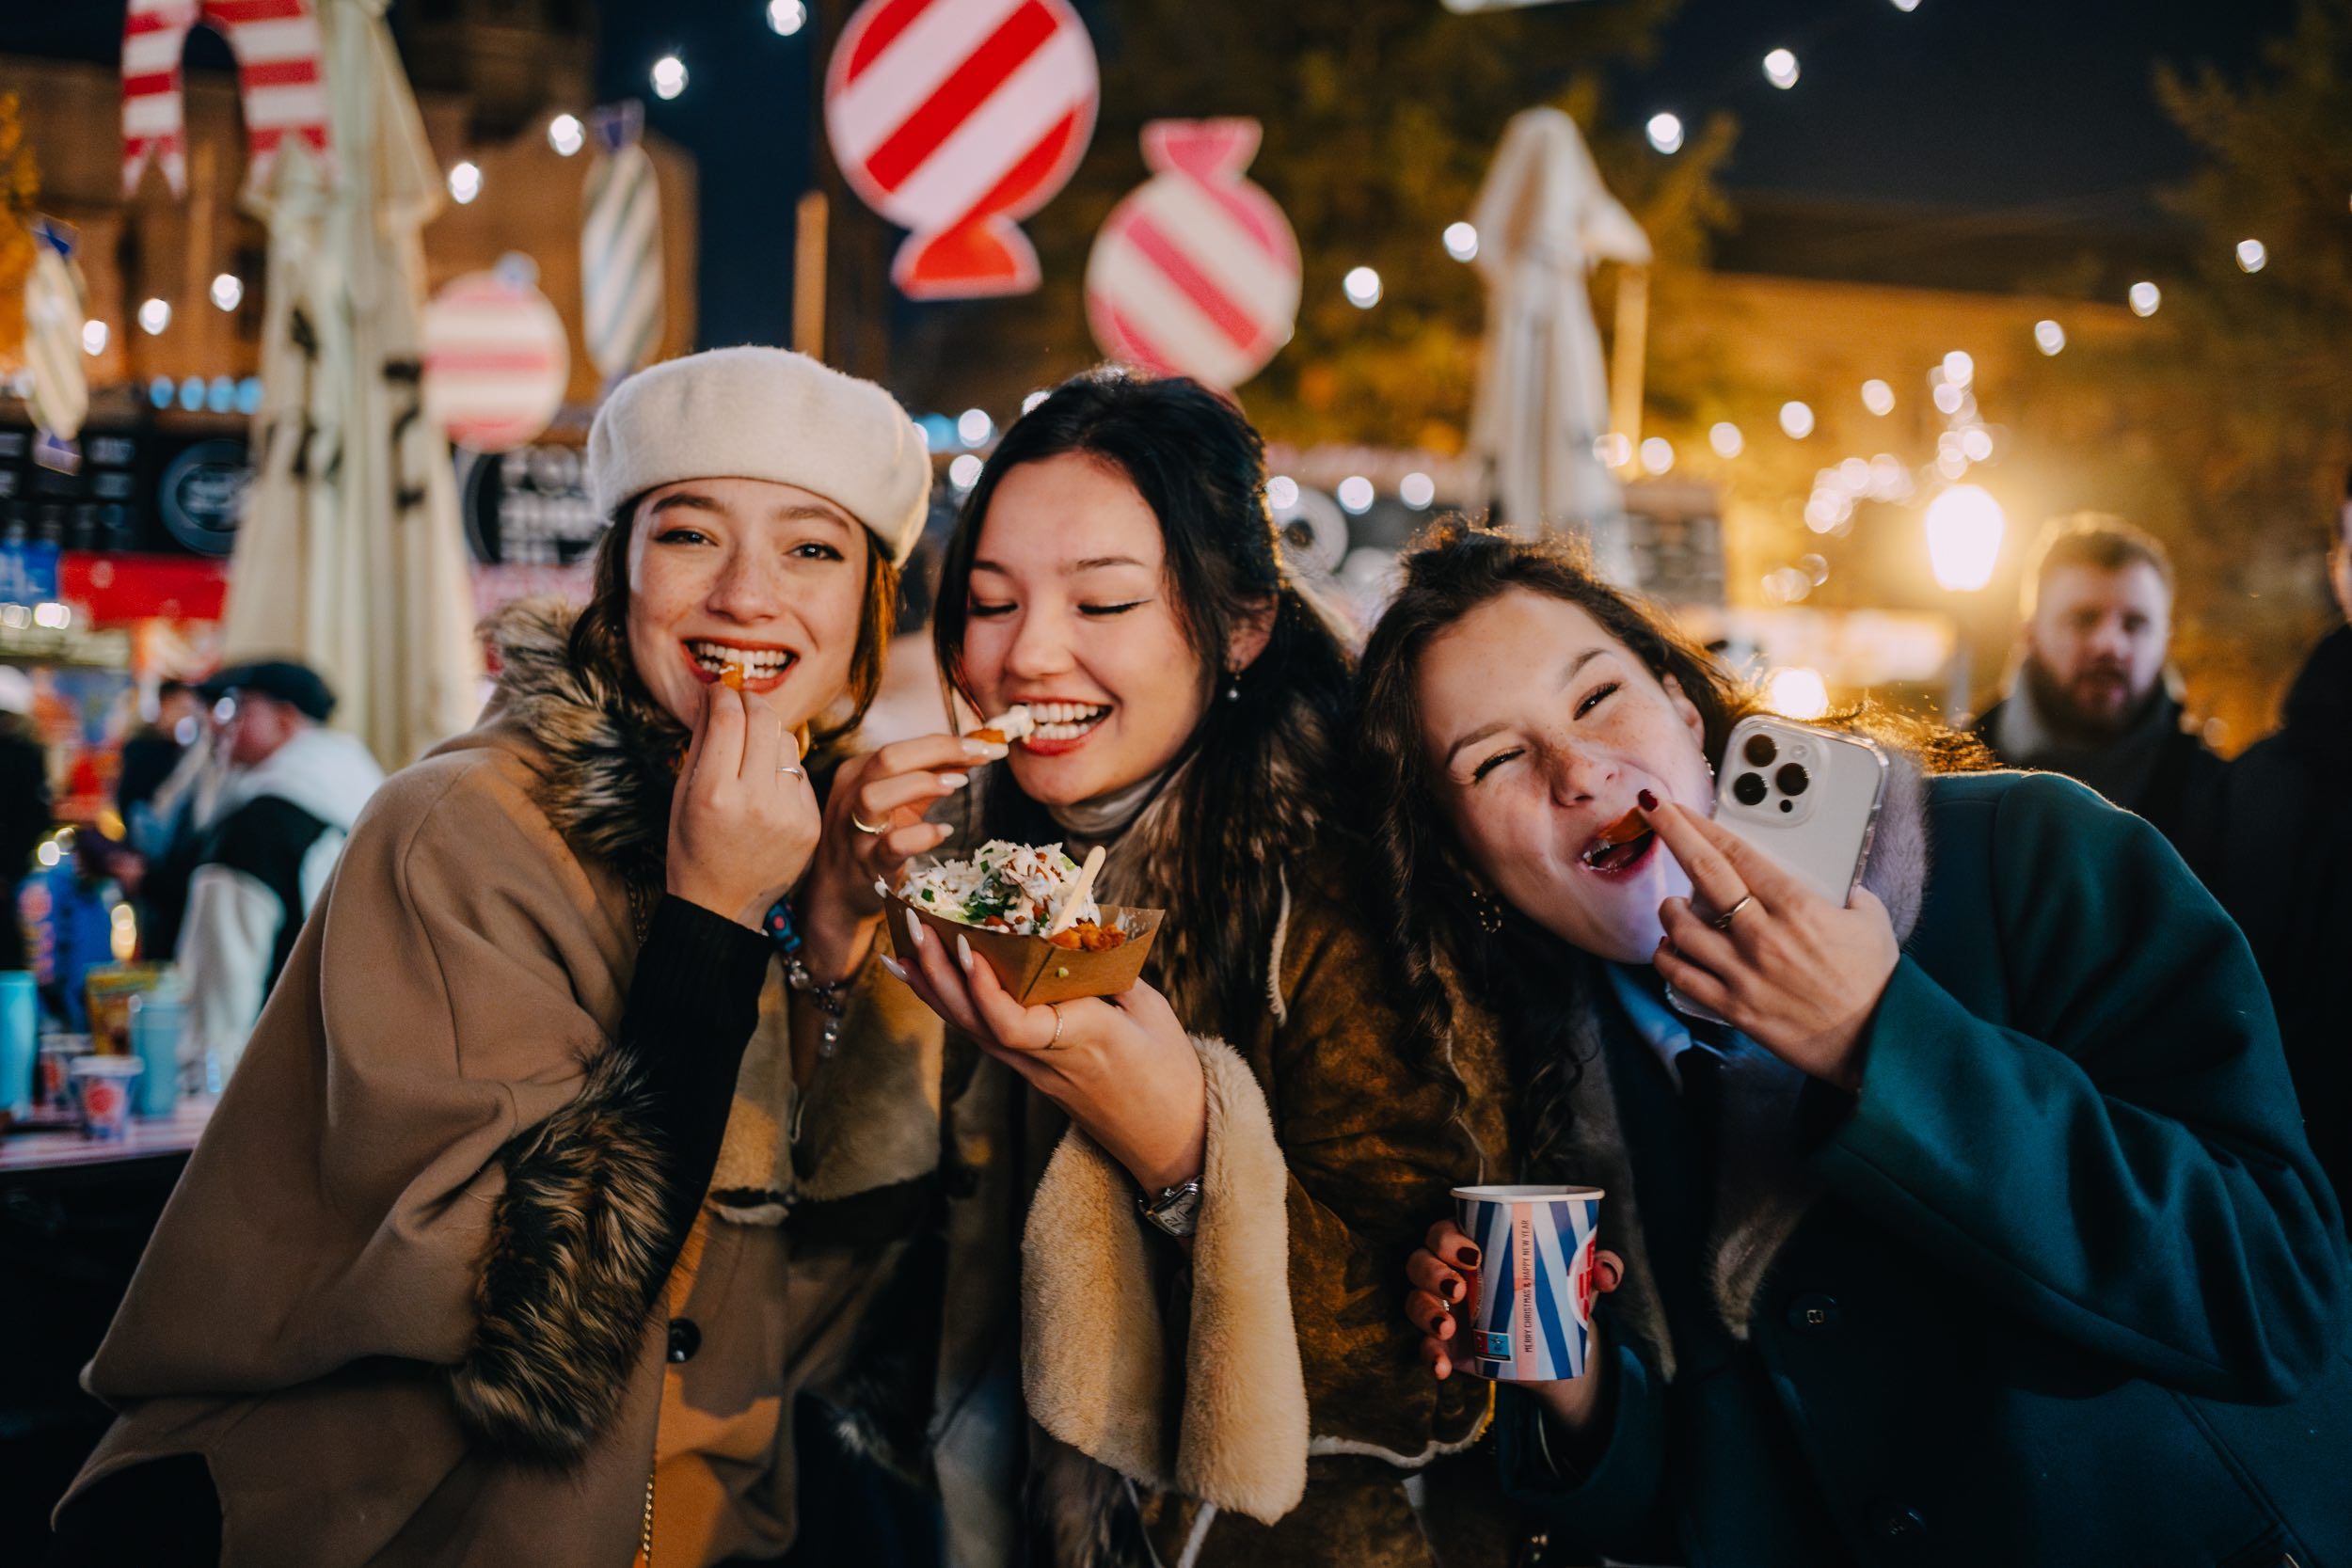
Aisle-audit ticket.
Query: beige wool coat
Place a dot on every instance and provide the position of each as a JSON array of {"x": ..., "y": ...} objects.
[{"x": 396, "y": 1302}]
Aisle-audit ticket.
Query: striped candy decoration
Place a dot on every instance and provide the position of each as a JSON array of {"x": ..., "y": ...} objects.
[
  {"x": 279, "y": 81},
  {"x": 1532, "y": 1320},
  {"x": 54, "y": 313},
  {"x": 620, "y": 246},
  {"x": 1196, "y": 273},
  {"x": 495, "y": 361},
  {"x": 955, "y": 117}
]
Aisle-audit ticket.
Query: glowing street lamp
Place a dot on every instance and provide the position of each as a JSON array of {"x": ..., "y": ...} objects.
[{"x": 1964, "y": 529}]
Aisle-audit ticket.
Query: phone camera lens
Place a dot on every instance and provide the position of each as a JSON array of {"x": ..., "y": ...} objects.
[
  {"x": 1759, "y": 750},
  {"x": 1748, "y": 788},
  {"x": 1791, "y": 779}
]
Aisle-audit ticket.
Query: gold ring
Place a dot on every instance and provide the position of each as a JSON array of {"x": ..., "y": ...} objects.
[
  {"x": 1055, "y": 1044},
  {"x": 1723, "y": 921},
  {"x": 865, "y": 827}
]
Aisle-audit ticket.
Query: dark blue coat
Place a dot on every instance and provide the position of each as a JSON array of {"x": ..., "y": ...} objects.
[{"x": 2072, "y": 1292}]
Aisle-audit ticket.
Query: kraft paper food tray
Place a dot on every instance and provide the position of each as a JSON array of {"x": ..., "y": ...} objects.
[{"x": 1033, "y": 970}]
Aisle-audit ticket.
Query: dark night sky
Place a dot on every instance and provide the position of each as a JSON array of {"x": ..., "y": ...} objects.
[{"x": 1979, "y": 105}]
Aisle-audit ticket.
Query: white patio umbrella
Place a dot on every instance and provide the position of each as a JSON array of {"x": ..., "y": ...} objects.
[
  {"x": 1544, "y": 220},
  {"x": 349, "y": 554}
]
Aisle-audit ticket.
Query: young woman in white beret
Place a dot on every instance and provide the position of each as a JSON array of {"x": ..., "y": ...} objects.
[{"x": 483, "y": 1259}]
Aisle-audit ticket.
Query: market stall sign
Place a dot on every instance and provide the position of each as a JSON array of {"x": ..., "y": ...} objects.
[
  {"x": 954, "y": 119},
  {"x": 112, "y": 587},
  {"x": 528, "y": 507},
  {"x": 1195, "y": 272},
  {"x": 200, "y": 493}
]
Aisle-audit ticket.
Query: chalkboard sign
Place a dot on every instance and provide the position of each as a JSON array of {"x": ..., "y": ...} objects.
[{"x": 528, "y": 507}]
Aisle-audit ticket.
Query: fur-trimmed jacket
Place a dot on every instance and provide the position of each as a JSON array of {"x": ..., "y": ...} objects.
[
  {"x": 1262, "y": 1403},
  {"x": 397, "y": 1303}
]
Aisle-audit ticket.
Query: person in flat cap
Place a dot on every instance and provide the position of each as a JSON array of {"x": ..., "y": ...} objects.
[
  {"x": 292, "y": 792},
  {"x": 499, "y": 1248}
]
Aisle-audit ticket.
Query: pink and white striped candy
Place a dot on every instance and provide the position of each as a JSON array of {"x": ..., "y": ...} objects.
[
  {"x": 955, "y": 117},
  {"x": 495, "y": 361},
  {"x": 281, "y": 83},
  {"x": 1195, "y": 271}
]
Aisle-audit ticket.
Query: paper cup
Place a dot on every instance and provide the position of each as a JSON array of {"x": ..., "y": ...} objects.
[
  {"x": 1531, "y": 1319},
  {"x": 102, "y": 1086}
]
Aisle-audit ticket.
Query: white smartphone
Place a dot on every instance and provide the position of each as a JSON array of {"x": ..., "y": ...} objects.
[{"x": 1808, "y": 798}]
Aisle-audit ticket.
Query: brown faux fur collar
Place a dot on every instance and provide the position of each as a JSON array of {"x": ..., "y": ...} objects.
[
  {"x": 607, "y": 782},
  {"x": 1763, "y": 1192}
]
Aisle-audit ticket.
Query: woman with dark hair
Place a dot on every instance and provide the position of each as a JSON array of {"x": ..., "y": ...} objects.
[
  {"x": 478, "y": 1259},
  {"x": 1201, "y": 1282},
  {"x": 1986, "y": 1233}
]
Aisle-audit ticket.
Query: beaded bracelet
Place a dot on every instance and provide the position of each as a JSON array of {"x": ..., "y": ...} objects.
[{"x": 831, "y": 998}]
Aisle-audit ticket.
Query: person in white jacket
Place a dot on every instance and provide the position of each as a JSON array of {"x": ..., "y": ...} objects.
[{"x": 268, "y": 846}]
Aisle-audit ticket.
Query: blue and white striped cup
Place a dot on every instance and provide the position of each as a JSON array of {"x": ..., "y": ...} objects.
[{"x": 1532, "y": 1319}]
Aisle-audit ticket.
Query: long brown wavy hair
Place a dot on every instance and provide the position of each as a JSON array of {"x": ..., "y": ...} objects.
[
  {"x": 1530, "y": 978},
  {"x": 1537, "y": 984}
]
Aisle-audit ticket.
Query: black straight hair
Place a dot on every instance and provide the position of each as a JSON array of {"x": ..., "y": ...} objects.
[{"x": 1257, "y": 781}]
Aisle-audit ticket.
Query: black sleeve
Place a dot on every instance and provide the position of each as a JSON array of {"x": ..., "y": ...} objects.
[{"x": 690, "y": 1012}]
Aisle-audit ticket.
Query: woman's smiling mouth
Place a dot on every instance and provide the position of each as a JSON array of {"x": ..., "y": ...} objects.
[
  {"x": 764, "y": 665},
  {"x": 1062, "y": 726}
]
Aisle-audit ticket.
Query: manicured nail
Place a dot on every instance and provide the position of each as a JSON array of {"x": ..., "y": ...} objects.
[
  {"x": 1467, "y": 1256},
  {"x": 1450, "y": 1290},
  {"x": 915, "y": 930},
  {"x": 954, "y": 780},
  {"x": 891, "y": 964},
  {"x": 963, "y": 953},
  {"x": 986, "y": 750},
  {"x": 1649, "y": 802}
]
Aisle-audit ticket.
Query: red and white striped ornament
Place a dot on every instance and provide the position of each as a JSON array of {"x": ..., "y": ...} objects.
[
  {"x": 1195, "y": 271},
  {"x": 280, "y": 81},
  {"x": 495, "y": 361},
  {"x": 955, "y": 117}
]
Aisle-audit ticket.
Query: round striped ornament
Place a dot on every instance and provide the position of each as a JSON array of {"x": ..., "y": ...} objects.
[
  {"x": 495, "y": 361},
  {"x": 955, "y": 117},
  {"x": 1195, "y": 271}
]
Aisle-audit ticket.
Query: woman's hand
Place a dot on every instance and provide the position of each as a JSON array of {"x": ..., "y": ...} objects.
[
  {"x": 1444, "y": 1275},
  {"x": 1121, "y": 1066},
  {"x": 890, "y": 789},
  {"x": 742, "y": 826},
  {"x": 1791, "y": 971}
]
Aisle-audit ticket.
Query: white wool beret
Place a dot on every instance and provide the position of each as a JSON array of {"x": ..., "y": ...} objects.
[{"x": 765, "y": 413}]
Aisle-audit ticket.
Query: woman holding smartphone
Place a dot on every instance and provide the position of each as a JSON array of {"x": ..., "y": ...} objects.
[
  {"x": 1986, "y": 1233},
  {"x": 477, "y": 1261},
  {"x": 1203, "y": 1297}
]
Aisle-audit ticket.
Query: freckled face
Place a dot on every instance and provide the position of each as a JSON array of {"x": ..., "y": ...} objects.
[
  {"x": 1539, "y": 730},
  {"x": 767, "y": 576}
]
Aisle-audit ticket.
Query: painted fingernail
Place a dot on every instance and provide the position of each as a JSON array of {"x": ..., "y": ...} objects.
[
  {"x": 1450, "y": 1290},
  {"x": 954, "y": 780},
  {"x": 892, "y": 965},
  {"x": 987, "y": 751},
  {"x": 1649, "y": 802},
  {"x": 963, "y": 953},
  {"x": 915, "y": 930},
  {"x": 1467, "y": 1256}
]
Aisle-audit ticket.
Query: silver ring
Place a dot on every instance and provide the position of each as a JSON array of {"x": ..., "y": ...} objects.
[
  {"x": 865, "y": 827},
  {"x": 1723, "y": 921},
  {"x": 792, "y": 769},
  {"x": 1055, "y": 1044}
]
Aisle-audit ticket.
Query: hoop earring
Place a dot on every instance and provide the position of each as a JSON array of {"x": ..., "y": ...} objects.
[{"x": 1487, "y": 913}]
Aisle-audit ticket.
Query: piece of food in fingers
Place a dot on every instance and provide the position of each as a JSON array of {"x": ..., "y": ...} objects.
[
  {"x": 731, "y": 676},
  {"x": 1007, "y": 727},
  {"x": 1619, "y": 847},
  {"x": 1002, "y": 901}
]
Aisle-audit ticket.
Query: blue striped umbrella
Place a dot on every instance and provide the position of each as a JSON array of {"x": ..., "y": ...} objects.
[{"x": 620, "y": 246}]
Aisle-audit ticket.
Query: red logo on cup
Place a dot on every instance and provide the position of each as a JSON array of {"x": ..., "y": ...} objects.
[{"x": 102, "y": 1099}]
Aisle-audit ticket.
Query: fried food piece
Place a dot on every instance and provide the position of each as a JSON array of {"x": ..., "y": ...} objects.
[
  {"x": 732, "y": 676},
  {"x": 1085, "y": 936},
  {"x": 1625, "y": 829}
]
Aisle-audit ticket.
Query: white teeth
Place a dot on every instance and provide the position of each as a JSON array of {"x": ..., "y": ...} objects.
[
  {"x": 755, "y": 662},
  {"x": 1067, "y": 713}
]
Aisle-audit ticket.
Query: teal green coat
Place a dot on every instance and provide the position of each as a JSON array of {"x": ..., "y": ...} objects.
[{"x": 2067, "y": 1286}]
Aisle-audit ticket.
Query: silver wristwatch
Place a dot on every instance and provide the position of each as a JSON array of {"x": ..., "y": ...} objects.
[{"x": 1176, "y": 1209}]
